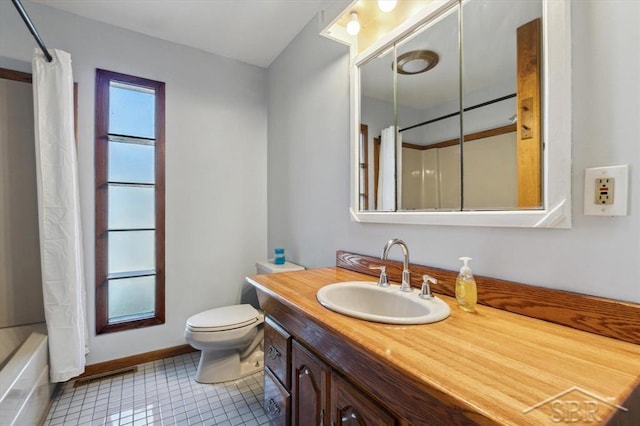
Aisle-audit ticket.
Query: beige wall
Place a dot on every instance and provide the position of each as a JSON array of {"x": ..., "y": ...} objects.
[
  {"x": 491, "y": 173},
  {"x": 419, "y": 179},
  {"x": 449, "y": 177},
  {"x": 20, "y": 279},
  {"x": 431, "y": 177}
]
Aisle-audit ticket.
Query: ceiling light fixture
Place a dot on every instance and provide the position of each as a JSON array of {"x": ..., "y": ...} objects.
[
  {"x": 353, "y": 26},
  {"x": 417, "y": 62},
  {"x": 387, "y": 5}
]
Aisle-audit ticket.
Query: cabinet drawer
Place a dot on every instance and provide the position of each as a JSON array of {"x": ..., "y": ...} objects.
[
  {"x": 277, "y": 401},
  {"x": 277, "y": 351},
  {"x": 350, "y": 406}
]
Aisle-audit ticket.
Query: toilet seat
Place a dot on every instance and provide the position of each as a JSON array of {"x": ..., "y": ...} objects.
[{"x": 223, "y": 319}]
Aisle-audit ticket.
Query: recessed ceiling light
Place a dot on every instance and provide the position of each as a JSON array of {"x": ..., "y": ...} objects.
[{"x": 417, "y": 62}]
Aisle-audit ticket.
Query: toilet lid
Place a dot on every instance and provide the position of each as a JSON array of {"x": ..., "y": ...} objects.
[{"x": 225, "y": 318}]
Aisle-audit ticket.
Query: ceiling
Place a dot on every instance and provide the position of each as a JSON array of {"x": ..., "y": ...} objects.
[
  {"x": 251, "y": 31},
  {"x": 375, "y": 24}
]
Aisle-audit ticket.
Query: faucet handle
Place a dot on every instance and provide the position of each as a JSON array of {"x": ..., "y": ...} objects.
[
  {"x": 383, "y": 281},
  {"x": 425, "y": 291}
]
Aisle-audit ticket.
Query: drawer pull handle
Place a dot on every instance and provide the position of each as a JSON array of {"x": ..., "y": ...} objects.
[
  {"x": 273, "y": 407},
  {"x": 273, "y": 353}
]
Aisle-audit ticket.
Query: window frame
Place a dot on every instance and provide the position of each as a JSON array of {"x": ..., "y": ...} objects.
[{"x": 103, "y": 80}]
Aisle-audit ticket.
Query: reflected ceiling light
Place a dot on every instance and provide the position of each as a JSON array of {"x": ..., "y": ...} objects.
[
  {"x": 353, "y": 26},
  {"x": 417, "y": 62},
  {"x": 387, "y": 5}
]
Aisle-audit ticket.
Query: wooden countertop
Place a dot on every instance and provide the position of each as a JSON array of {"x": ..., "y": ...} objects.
[{"x": 491, "y": 367}]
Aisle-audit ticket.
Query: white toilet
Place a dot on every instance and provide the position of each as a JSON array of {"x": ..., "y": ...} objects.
[{"x": 230, "y": 337}]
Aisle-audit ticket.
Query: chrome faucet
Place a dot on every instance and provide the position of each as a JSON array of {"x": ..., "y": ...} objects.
[{"x": 406, "y": 274}]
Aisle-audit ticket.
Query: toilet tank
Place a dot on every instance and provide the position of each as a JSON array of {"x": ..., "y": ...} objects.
[
  {"x": 249, "y": 294},
  {"x": 268, "y": 267}
]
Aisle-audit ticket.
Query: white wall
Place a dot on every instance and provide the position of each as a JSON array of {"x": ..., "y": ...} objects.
[
  {"x": 309, "y": 167},
  {"x": 215, "y": 161}
]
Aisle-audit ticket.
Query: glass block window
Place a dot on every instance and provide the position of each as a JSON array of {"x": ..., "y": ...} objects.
[{"x": 129, "y": 159}]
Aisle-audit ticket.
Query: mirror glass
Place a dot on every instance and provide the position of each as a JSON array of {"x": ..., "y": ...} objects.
[
  {"x": 428, "y": 86},
  {"x": 502, "y": 168},
  {"x": 433, "y": 99},
  {"x": 378, "y": 115}
]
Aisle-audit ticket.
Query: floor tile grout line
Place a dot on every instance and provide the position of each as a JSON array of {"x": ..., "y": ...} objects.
[{"x": 163, "y": 388}]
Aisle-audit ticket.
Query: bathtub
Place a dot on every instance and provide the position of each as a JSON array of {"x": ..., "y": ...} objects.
[{"x": 25, "y": 390}]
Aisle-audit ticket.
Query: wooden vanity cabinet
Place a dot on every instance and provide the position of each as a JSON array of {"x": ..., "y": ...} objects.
[
  {"x": 351, "y": 407},
  {"x": 300, "y": 389},
  {"x": 277, "y": 351},
  {"x": 310, "y": 387},
  {"x": 277, "y": 373},
  {"x": 363, "y": 373},
  {"x": 277, "y": 400}
]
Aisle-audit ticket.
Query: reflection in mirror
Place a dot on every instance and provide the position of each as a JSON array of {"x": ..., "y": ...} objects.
[
  {"x": 501, "y": 70},
  {"x": 426, "y": 84},
  {"x": 499, "y": 167},
  {"x": 363, "y": 167},
  {"x": 378, "y": 115},
  {"x": 430, "y": 168}
]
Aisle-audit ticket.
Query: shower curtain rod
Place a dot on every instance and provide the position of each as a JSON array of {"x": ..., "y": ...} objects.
[
  {"x": 453, "y": 114},
  {"x": 32, "y": 29}
]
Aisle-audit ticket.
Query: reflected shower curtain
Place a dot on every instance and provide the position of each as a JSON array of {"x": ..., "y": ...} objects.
[
  {"x": 59, "y": 215},
  {"x": 390, "y": 166}
]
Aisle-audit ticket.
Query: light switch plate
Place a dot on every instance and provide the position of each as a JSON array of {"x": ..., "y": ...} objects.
[{"x": 619, "y": 193}]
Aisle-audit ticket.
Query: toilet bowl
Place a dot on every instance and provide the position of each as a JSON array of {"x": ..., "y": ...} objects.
[{"x": 230, "y": 339}]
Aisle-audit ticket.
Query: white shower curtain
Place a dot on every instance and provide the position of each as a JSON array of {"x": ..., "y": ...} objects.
[
  {"x": 390, "y": 166},
  {"x": 59, "y": 215}
]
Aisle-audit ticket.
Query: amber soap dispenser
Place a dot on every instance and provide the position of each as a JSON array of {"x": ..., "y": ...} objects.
[{"x": 466, "y": 290}]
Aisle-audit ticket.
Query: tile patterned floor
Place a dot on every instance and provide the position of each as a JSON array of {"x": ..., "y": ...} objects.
[{"x": 160, "y": 393}]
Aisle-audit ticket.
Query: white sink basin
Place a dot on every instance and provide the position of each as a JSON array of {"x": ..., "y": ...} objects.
[{"x": 367, "y": 301}]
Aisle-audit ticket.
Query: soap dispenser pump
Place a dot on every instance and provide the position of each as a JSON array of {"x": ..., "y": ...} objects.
[{"x": 466, "y": 290}]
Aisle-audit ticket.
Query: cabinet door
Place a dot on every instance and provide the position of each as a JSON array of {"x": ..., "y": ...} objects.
[
  {"x": 351, "y": 407},
  {"x": 310, "y": 388}
]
